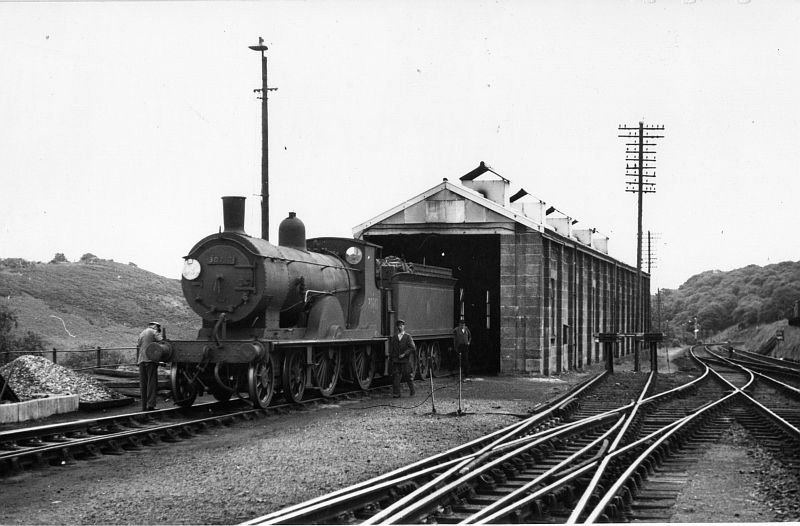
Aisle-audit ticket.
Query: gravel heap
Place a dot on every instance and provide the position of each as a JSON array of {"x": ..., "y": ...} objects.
[{"x": 33, "y": 377}]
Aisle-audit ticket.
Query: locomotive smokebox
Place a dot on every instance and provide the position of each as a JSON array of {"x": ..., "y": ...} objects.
[
  {"x": 233, "y": 213},
  {"x": 292, "y": 233}
]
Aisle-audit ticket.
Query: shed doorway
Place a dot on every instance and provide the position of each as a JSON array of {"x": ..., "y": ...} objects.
[{"x": 475, "y": 262}]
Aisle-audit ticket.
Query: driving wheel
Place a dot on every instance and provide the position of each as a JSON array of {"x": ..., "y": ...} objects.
[
  {"x": 325, "y": 369},
  {"x": 294, "y": 375},
  {"x": 363, "y": 368},
  {"x": 261, "y": 382}
]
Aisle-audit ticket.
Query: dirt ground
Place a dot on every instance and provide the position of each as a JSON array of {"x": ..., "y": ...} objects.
[{"x": 233, "y": 474}]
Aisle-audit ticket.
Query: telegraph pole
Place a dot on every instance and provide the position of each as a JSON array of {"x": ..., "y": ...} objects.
[
  {"x": 639, "y": 164},
  {"x": 264, "y": 140}
]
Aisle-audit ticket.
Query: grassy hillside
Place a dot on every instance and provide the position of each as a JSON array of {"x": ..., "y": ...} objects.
[
  {"x": 754, "y": 338},
  {"x": 745, "y": 298},
  {"x": 92, "y": 303}
]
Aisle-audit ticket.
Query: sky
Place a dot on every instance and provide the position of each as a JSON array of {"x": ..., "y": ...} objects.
[{"x": 123, "y": 123}]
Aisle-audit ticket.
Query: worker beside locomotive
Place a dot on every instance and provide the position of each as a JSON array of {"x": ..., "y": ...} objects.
[
  {"x": 299, "y": 314},
  {"x": 401, "y": 346}
]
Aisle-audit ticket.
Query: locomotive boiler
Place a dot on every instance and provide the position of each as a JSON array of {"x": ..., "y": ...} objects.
[{"x": 300, "y": 314}]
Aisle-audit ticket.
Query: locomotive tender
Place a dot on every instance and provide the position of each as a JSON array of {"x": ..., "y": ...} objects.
[{"x": 300, "y": 314}]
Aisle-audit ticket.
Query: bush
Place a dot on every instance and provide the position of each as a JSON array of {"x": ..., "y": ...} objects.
[
  {"x": 16, "y": 263},
  {"x": 59, "y": 258},
  {"x": 30, "y": 343}
]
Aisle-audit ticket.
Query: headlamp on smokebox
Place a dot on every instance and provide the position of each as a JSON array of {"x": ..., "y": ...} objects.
[{"x": 191, "y": 269}]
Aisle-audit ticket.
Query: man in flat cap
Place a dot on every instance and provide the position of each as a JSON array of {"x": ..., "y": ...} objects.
[
  {"x": 463, "y": 338},
  {"x": 148, "y": 370},
  {"x": 401, "y": 345}
]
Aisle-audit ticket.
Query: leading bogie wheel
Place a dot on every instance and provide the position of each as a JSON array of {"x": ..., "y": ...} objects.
[
  {"x": 325, "y": 369},
  {"x": 184, "y": 390},
  {"x": 261, "y": 382},
  {"x": 225, "y": 380},
  {"x": 294, "y": 375}
]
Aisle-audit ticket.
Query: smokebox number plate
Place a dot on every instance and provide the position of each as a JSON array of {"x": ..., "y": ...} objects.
[{"x": 221, "y": 260}]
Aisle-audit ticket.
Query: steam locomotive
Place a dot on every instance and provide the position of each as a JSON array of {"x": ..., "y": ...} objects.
[{"x": 301, "y": 315}]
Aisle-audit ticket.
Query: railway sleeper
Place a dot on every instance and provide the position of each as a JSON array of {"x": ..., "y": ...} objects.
[
  {"x": 64, "y": 458},
  {"x": 509, "y": 470},
  {"x": 190, "y": 431},
  {"x": 171, "y": 436},
  {"x": 114, "y": 427},
  {"x": 498, "y": 475},
  {"x": 56, "y": 439},
  {"x": 531, "y": 513},
  {"x": 112, "y": 447},
  {"x": 89, "y": 452},
  {"x": 10, "y": 466},
  {"x": 367, "y": 511},
  {"x": 9, "y": 446},
  {"x": 132, "y": 444},
  {"x": 527, "y": 459}
]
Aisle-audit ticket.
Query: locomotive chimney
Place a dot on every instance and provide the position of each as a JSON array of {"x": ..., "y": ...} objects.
[{"x": 233, "y": 213}]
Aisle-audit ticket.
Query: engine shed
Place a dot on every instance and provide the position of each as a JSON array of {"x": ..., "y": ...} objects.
[{"x": 535, "y": 290}]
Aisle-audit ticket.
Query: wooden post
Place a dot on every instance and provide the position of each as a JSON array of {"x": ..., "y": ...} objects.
[
  {"x": 653, "y": 338},
  {"x": 608, "y": 339}
]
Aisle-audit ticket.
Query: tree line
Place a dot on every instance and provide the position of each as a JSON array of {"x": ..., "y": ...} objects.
[{"x": 743, "y": 297}]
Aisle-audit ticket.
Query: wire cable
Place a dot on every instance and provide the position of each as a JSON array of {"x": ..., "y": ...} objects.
[{"x": 424, "y": 400}]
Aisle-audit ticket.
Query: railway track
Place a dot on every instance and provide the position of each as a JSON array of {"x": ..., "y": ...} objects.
[
  {"x": 68, "y": 442},
  {"x": 585, "y": 458}
]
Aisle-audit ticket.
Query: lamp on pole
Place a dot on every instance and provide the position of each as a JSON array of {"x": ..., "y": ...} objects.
[{"x": 264, "y": 141}]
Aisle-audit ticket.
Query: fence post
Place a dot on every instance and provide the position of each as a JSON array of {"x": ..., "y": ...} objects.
[
  {"x": 55, "y": 359},
  {"x": 98, "y": 355}
]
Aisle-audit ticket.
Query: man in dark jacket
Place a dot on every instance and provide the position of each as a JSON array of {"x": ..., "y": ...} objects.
[
  {"x": 148, "y": 369},
  {"x": 463, "y": 338},
  {"x": 401, "y": 346}
]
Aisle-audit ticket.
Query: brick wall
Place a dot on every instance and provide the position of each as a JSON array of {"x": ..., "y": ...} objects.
[
  {"x": 553, "y": 300},
  {"x": 520, "y": 302}
]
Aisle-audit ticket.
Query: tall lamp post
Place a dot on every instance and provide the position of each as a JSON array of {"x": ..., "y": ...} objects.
[{"x": 264, "y": 141}]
